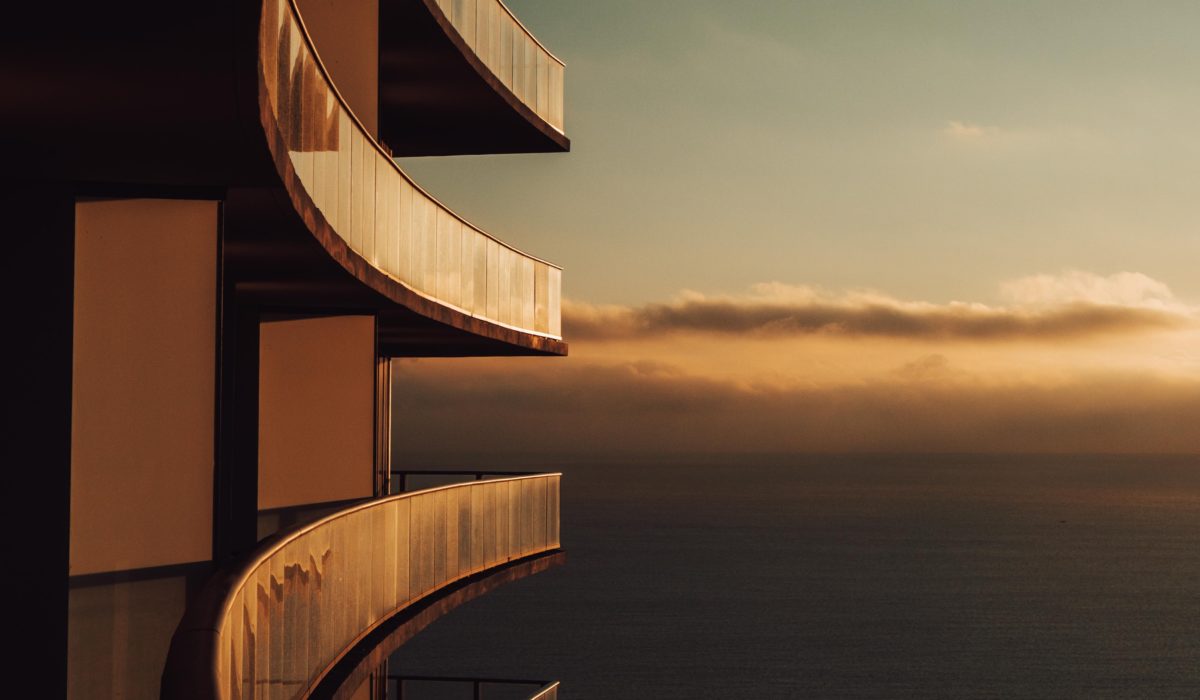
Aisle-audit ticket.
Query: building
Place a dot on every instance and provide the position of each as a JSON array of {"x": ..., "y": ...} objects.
[{"x": 212, "y": 257}]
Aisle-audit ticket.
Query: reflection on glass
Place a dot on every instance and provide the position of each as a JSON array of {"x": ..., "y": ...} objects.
[
  {"x": 120, "y": 626},
  {"x": 306, "y": 598}
]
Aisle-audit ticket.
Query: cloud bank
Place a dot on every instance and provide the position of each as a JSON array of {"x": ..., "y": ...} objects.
[
  {"x": 1048, "y": 307},
  {"x": 847, "y": 372}
]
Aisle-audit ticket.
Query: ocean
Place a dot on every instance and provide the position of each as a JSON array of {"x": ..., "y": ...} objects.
[{"x": 943, "y": 576}]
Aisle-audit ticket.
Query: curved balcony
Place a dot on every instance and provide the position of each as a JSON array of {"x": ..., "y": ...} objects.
[
  {"x": 376, "y": 222},
  {"x": 465, "y": 76},
  {"x": 518, "y": 60},
  {"x": 281, "y": 622}
]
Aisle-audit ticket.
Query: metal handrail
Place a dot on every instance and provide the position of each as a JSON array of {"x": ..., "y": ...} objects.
[
  {"x": 478, "y": 474},
  {"x": 477, "y": 684}
]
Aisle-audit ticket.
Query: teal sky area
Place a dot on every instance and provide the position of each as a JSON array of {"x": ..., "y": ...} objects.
[{"x": 930, "y": 150}]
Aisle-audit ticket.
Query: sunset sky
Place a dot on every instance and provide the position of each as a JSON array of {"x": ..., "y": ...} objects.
[{"x": 844, "y": 226}]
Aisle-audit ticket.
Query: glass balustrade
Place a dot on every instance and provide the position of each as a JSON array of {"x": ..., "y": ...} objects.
[
  {"x": 275, "y": 626},
  {"x": 511, "y": 53},
  {"x": 379, "y": 211}
]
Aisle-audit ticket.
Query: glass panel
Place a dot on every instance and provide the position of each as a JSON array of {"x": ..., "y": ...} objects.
[
  {"x": 466, "y": 267},
  {"x": 527, "y": 290},
  {"x": 506, "y": 50},
  {"x": 370, "y": 565},
  {"x": 541, "y": 297},
  {"x": 479, "y": 275},
  {"x": 416, "y": 274},
  {"x": 312, "y": 114},
  {"x": 335, "y": 582},
  {"x": 493, "y": 280},
  {"x": 320, "y": 640},
  {"x": 530, "y": 66},
  {"x": 380, "y": 202},
  {"x": 464, "y": 20},
  {"x": 483, "y": 32},
  {"x": 404, "y": 235},
  {"x": 462, "y": 502},
  {"x": 403, "y": 531},
  {"x": 418, "y": 538},
  {"x": 503, "y": 504},
  {"x": 359, "y": 525},
  {"x": 385, "y": 563},
  {"x": 441, "y": 264},
  {"x": 556, "y": 95},
  {"x": 518, "y": 42},
  {"x": 262, "y": 645},
  {"x": 430, "y": 256},
  {"x": 504, "y": 296},
  {"x": 277, "y": 616},
  {"x": 345, "y": 166},
  {"x": 370, "y": 155},
  {"x": 441, "y": 536},
  {"x": 397, "y": 235},
  {"x": 229, "y": 648},
  {"x": 269, "y": 48},
  {"x": 555, "y": 485},
  {"x": 294, "y": 616},
  {"x": 477, "y": 495},
  {"x": 357, "y": 185},
  {"x": 325, "y": 162},
  {"x": 555, "y": 302},
  {"x": 521, "y": 521},
  {"x": 543, "y": 86},
  {"x": 540, "y": 514},
  {"x": 496, "y": 16}
]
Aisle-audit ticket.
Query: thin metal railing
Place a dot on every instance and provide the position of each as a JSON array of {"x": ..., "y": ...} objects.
[
  {"x": 476, "y": 474},
  {"x": 545, "y": 689}
]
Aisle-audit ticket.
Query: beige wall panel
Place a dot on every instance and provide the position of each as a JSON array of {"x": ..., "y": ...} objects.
[
  {"x": 143, "y": 387},
  {"x": 316, "y": 410},
  {"x": 346, "y": 34}
]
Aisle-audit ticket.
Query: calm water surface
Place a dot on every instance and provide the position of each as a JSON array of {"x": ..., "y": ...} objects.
[{"x": 854, "y": 577}]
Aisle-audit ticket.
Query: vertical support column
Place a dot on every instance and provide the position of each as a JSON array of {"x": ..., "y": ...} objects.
[
  {"x": 38, "y": 280},
  {"x": 383, "y": 424},
  {"x": 235, "y": 488}
]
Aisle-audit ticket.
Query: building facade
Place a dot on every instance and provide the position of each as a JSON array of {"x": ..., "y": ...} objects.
[{"x": 213, "y": 257}]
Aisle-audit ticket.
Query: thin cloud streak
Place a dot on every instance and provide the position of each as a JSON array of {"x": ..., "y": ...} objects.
[
  {"x": 870, "y": 316},
  {"x": 965, "y": 130}
]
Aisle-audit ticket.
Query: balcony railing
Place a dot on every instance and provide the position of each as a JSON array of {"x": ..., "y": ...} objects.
[
  {"x": 277, "y": 624},
  {"x": 380, "y": 213},
  {"x": 511, "y": 53},
  {"x": 540, "y": 690}
]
